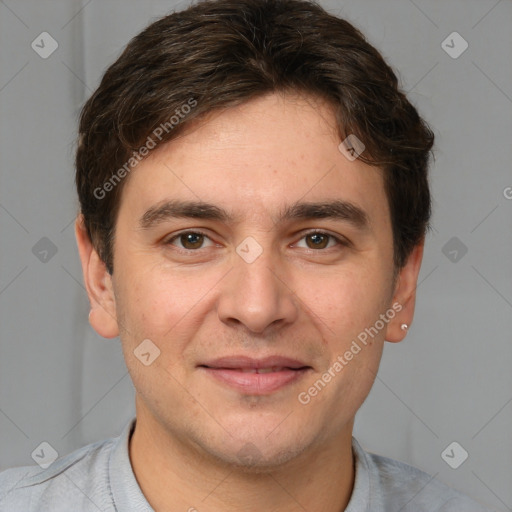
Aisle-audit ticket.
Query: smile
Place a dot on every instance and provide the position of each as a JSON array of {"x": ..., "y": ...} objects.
[{"x": 253, "y": 376}]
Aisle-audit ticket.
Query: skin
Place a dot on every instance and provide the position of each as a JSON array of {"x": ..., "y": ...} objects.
[{"x": 294, "y": 300}]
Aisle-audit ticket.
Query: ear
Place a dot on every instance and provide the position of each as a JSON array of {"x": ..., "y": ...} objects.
[
  {"x": 98, "y": 283},
  {"x": 405, "y": 295}
]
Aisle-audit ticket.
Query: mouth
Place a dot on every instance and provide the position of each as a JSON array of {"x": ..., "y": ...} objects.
[{"x": 256, "y": 376}]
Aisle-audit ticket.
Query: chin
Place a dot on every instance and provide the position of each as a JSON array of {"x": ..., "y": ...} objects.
[
  {"x": 249, "y": 458},
  {"x": 256, "y": 452}
]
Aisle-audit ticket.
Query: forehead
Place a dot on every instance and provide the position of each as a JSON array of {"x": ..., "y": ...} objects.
[{"x": 257, "y": 158}]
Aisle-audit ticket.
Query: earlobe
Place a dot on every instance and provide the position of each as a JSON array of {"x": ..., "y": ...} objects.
[
  {"x": 405, "y": 295},
  {"x": 98, "y": 283}
]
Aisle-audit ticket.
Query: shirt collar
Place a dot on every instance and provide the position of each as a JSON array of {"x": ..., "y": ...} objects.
[
  {"x": 125, "y": 490},
  {"x": 362, "y": 493}
]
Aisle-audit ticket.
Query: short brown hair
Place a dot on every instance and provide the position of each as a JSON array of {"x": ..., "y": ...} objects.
[{"x": 221, "y": 53}]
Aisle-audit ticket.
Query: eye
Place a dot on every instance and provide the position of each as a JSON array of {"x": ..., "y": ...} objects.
[
  {"x": 189, "y": 240},
  {"x": 320, "y": 240},
  {"x": 194, "y": 240}
]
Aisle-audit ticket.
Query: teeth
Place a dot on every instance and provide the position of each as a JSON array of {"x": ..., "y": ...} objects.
[
  {"x": 263, "y": 370},
  {"x": 266, "y": 370}
]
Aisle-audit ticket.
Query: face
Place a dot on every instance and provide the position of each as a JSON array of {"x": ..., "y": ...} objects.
[{"x": 253, "y": 255}]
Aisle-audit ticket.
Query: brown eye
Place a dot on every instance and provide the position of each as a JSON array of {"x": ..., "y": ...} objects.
[
  {"x": 189, "y": 240},
  {"x": 317, "y": 241},
  {"x": 192, "y": 240}
]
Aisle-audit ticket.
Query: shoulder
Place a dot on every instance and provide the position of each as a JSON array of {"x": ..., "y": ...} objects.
[
  {"x": 78, "y": 481},
  {"x": 399, "y": 486}
]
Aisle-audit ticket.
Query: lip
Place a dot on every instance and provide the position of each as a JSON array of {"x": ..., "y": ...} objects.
[{"x": 242, "y": 373}]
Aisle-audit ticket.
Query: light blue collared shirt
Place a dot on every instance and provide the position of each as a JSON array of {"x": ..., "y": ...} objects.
[{"x": 99, "y": 477}]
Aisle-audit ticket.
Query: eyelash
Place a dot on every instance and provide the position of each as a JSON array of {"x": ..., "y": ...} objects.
[{"x": 339, "y": 241}]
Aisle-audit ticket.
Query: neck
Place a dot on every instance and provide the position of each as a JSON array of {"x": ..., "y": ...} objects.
[{"x": 174, "y": 476}]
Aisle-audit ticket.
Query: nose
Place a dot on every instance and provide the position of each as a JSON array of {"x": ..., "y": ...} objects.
[{"x": 257, "y": 295}]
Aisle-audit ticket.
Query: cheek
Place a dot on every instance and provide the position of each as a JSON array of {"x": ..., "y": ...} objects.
[
  {"x": 347, "y": 302},
  {"x": 166, "y": 307},
  {"x": 155, "y": 302}
]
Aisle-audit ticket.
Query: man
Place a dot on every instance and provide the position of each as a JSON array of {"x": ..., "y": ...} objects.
[{"x": 253, "y": 205}]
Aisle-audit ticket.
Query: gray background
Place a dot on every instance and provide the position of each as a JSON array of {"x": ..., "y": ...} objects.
[{"x": 450, "y": 380}]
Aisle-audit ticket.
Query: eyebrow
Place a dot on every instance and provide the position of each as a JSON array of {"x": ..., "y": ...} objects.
[{"x": 337, "y": 210}]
